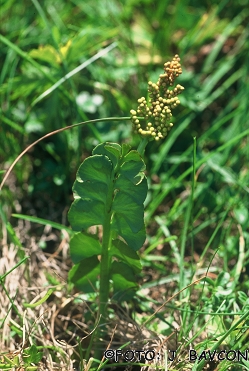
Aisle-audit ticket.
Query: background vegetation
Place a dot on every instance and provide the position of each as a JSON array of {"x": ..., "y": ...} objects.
[{"x": 196, "y": 225}]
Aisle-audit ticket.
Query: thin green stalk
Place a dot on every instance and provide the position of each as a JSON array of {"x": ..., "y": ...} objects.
[
  {"x": 188, "y": 223},
  {"x": 12, "y": 269},
  {"x": 104, "y": 269},
  {"x": 142, "y": 145},
  {"x": 104, "y": 275},
  {"x": 187, "y": 220}
]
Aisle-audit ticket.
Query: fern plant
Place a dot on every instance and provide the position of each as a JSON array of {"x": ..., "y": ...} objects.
[{"x": 109, "y": 191}]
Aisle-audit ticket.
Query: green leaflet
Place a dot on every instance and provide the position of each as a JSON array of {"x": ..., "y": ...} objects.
[
  {"x": 84, "y": 245},
  {"x": 122, "y": 251},
  {"x": 124, "y": 281},
  {"x": 85, "y": 213},
  {"x": 110, "y": 185},
  {"x": 84, "y": 274},
  {"x": 90, "y": 191},
  {"x": 111, "y": 150},
  {"x": 134, "y": 240}
]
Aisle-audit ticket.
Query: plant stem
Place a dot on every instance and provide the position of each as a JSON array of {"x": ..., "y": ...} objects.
[
  {"x": 104, "y": 269},
  {"x": 142, "y": 145},
  {"x": 104, "y": 275}
]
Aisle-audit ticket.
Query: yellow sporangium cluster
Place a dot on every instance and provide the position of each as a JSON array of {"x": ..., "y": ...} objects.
[{"x": 153, "y": 118}]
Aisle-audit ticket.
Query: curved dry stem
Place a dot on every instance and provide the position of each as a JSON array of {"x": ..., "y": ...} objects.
[{"x": 53, "y": 133}]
